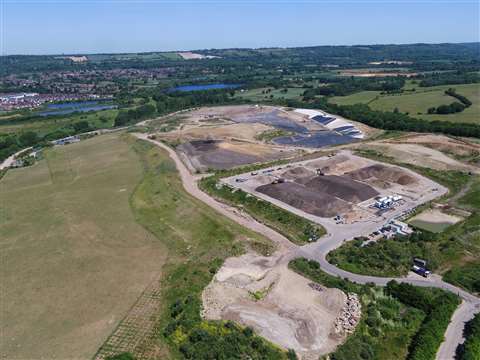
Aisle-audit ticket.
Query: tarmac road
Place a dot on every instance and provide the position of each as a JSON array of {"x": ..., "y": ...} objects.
[{"x": 318, "y": 251}]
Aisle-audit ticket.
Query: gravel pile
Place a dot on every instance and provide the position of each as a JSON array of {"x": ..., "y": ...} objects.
[{"x": 350, "y": 315}]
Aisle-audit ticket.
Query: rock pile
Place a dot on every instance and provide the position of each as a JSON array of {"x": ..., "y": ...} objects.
[{"x": 349, "y": 316}]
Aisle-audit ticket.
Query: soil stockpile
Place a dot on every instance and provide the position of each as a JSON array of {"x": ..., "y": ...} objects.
[
  {"x": 340, "y": 187},
  {"x": 298, "y": 173},
  {"x": 308, "y": 200},
  {"x": 384, "y": 173}
]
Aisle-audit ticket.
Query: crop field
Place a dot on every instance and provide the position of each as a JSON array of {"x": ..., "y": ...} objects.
[
  {"x": 417, "y": 103},
  {"x": 74, "y": 259}
]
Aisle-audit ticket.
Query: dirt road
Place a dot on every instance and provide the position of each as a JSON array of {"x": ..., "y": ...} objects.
[{"x": 318, "y": 251}]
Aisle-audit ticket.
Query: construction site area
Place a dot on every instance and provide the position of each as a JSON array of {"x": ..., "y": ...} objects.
[
  {"x": 339, "y": 189},
  {"x": 228, "y": 136},
  {"x": 347, "y": 194},
  {"x": 282, "y": 306}
]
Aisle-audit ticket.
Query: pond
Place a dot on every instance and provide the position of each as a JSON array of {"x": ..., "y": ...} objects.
[
  {"x": 77, "y": 106},
  {"x": 205, "y": 87}
]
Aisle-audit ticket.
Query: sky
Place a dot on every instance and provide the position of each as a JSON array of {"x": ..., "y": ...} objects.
[{"x": 109, "y": 26}]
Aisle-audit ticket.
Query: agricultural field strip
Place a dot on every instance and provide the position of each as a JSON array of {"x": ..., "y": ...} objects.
[{"x": 319, "y": 250}]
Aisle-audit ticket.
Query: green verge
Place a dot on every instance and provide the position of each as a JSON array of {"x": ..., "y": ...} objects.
[
  {"x": 295, "y": 228},
  {"x": 198, "y": 241},
  {"x": 399, "y": 321},
  {"x": 470, "y": 349}
]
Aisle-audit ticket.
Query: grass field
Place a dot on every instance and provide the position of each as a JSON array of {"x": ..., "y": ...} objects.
[
  {"x": 417, "y": 103},
  {"x": 74, "y": 259},
  {"x": 256, "y": 94},
  {"x": 198, "y": 240},
  {"x": 96, "y": 119},
  {"x": 363, "y": 97}
]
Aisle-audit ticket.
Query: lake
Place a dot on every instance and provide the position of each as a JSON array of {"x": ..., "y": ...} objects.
[
  {"x": 205, "y": 87},
  {"x": 78, "y": 106}
]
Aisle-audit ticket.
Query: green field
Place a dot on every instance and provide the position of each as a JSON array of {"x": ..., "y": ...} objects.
[
  {"x": 417, "y": 103},
  {"x": 86, "y": 230},
  {"x": 96, "y": 119},
  {"x": 363, "y": 97},
  {"x": 256, "y": 94},
  {"x": 74, "y": 259}
]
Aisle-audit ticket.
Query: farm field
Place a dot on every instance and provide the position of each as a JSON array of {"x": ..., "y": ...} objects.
[
  {"x": 74, "y": 259},
  {"x": 417, "y": 103}
]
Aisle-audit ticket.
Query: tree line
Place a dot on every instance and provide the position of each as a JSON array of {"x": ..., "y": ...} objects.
[
  {"x": 438, "y": 306},
  {"x": 454, "y": 107},
  {"x": 388, "y": 120}
]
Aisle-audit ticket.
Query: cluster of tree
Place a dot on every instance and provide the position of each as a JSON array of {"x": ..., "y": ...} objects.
[
  {"x": 167, "y": 102},
  {"x": 438, "y": 306},
  {"x": 449, "y": 78},
  {"x": 384, "y": 257},
  {"x": 11, "y": 143},
  {"x": 470, "y": 349},
  {"x": 454, "y": 107},
  {"x": 125, "y": 117}
]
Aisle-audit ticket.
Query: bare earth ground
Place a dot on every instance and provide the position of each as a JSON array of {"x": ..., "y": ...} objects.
[
  {"x": 420, "y": 155},
  {"x": 74, "y": 260},
  {"x": 225, "y": 154},
  {"x": 351, "y": 196},
  {"x": 437, "y": 216},
  {"x": 287, "y": 310},
  {"x": 229, "y": 131}
]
